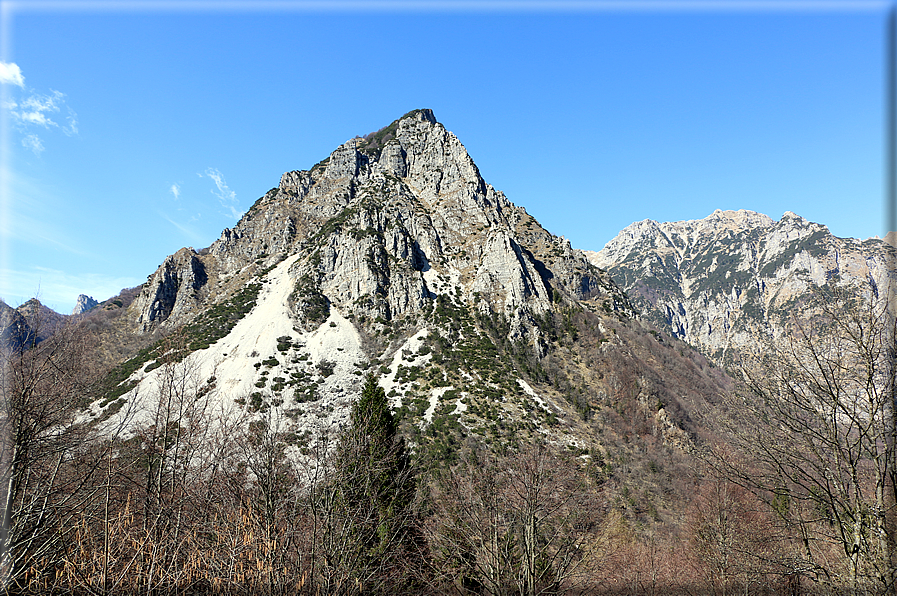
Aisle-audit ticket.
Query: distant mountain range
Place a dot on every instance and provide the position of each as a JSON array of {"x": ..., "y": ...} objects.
[{"x": 723, "y": 281}]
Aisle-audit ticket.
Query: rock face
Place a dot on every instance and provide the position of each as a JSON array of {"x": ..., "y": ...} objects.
[
  {"x": 29, "y": 322},
  {"x": 382, "y": 226},
  {"x": 84, "y": 304},
  {"x": 14, "y": 329},
  {"x": 720, "y": 281},
  {"x": 173, "y": 290},
  {"x": 393, "y": 257}
]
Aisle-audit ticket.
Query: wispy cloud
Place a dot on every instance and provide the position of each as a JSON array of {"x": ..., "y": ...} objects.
[
  {"x": 11, "y": 74},
  {"x": 38, "y": 109},
  {"x": 33, "y": 110},
  {"x": 33, "y": 143},
  {"x": 226, "y": 196},
  {"x": 24, "y": 219},
  {"x": 72, "y": 123},
  {"x": 176, "y": 190}
]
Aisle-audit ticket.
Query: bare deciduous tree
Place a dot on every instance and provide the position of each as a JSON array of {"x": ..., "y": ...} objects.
[
  {"x": 817, "y": 418},
  {"x": 732, "y": 537},
  {"x": 527, "y": 522},
  {"x": 46, "y": 464}
]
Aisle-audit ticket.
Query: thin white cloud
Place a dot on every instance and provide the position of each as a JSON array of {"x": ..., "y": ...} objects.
[
  {"x": 37, "y": 108},
  {"x": 38, "y": 232},
  {"x": 32, "y": 109},
  {"x": 72, "y": 127},
  {"x": 226, "y": 196},
  {"x": 24, "y": 218},
  {"x": 235, "y": 213},
  {"x": 175, "y": 190},
  {"x": 224, "y": 193},
  {"x": 192, "y": 234},
  {"x": 11, "y": 74},
  {"x": 33, "y": 143}
]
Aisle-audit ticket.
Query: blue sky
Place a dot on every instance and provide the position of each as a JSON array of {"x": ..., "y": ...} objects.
[{"x": 132, "y": 129}]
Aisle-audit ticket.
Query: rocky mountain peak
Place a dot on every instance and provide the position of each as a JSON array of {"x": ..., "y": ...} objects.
[
  {"x": 29, "y": 322},
  {"x": 83, "y": 304},
  {"x": 720, "y": 281},
  {"x": 420, "y": 115},
  {"x": 382, "y": 226},
  {"x": 390, "y": 248}
]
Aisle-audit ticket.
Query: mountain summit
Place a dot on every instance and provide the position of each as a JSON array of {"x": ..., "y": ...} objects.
[
  {"x": 380, "y": 228},
  {"x": 723, "y": 281},
  {"x": 84, "y": 304},
  {"x": 393, "y": 256}
]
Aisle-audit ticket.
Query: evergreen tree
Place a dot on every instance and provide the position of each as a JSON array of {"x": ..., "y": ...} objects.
[{"x": 369, "y": 513}]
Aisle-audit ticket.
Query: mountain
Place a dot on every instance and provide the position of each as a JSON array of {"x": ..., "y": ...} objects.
[
  {"x": 27, "y": 323},
  {"x": 723, "y": 281},
  {"x": 14, "y": 329},
  {"x": 393, "y": 256},
  {"x": 539, "y": 421},
  {"x": 84, "y": 304}
]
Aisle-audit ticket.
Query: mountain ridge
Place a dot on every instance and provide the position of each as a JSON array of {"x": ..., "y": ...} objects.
[
  {"x": 393, "y": 256},
  {"x": 723, "y": 281}
]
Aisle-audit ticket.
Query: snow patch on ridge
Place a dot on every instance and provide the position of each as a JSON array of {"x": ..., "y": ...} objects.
[
  {"x": 435, "y": 397},
  {"x": 411, "y": 347},
  {"x": 529, "y": 391}
]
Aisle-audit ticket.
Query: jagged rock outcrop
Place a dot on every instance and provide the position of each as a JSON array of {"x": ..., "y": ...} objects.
[
  {"x": 721, "y": 281},
  {"x": 14, "y": 329},
  {"x": 383, "y": 225},
  {"x": 83, "y": 304},
  {"x": 506, "y": 269},
  {"x": 174, "y": 289},
  {"x": 30, "y": 322}
]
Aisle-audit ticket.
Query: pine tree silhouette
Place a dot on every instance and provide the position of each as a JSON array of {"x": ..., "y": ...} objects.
[{"x": 374, "y": 488}]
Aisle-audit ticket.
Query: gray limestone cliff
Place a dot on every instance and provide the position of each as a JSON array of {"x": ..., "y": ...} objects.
[
  {"x": 173, "y": 290},
  {"x": 720, "y": 281},
  {"x": 382, "y": 226},
  {"x": 83, "y": 304}
]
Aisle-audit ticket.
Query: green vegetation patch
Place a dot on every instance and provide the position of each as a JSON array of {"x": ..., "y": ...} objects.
[
  {"x": 220, "y": 318},
  {"x": 335, "y": 224},
  {"x": 374, "y": 142},
  {"x": 309, "y": 301},
  {"x": 209, "y": 327}
]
